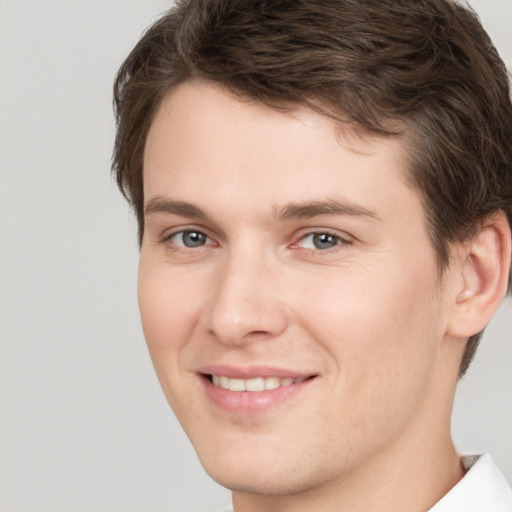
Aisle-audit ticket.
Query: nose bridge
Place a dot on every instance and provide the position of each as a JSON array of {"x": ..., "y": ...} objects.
[{"x": 244, "y": 302}]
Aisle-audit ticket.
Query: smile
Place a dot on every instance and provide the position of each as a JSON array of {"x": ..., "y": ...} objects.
[
  {"x": 250, "y": 391},
  {"x": 254, "y": 384}
]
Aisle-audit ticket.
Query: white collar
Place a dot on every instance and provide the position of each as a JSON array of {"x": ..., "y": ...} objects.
[{"x": 483, "y": 489}]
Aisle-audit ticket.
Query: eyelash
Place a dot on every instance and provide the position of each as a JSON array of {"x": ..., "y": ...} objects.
[
  {"x": 341, "y": 242},
  {"x": 168, "y": 238}
]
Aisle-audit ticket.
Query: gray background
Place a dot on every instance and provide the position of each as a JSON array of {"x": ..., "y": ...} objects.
[{"x": 84, "y": 425}]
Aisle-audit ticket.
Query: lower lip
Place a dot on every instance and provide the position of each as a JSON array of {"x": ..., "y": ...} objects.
[{"x": 251, "y": 402}]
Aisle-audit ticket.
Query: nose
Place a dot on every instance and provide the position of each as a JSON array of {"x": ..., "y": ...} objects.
[{"x": 244, "y": 301}]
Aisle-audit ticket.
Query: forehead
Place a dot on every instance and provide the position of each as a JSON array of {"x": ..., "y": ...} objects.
[{"x": 205, "y": 142}]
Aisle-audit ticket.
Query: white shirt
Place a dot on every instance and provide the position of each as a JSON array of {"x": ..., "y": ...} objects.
[{"x": 483, "y": 489}]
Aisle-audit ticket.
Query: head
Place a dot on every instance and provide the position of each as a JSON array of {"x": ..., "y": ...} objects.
[
  {"x": 425, "y": 72},
  {"x": 308, "y": 179}
]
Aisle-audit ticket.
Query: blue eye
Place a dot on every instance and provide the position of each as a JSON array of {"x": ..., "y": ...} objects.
[
  {"x": 320, "y": 241},
  {"x": 190, "y": 239}
]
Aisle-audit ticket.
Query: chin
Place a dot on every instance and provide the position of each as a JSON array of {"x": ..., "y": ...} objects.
[
  {"x": 275, "y": 479},
  {"x": 258, "y": 484}
]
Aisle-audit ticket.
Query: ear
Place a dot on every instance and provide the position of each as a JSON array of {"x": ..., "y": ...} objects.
[{"x": 483, "y": 265}]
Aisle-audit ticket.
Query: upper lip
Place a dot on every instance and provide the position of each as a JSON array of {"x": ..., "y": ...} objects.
[{"x": 251, "y": 372}]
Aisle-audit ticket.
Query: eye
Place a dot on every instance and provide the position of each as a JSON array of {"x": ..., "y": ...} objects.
[
  {"x": 320, "y": 241},
  {"x": 189, "y": 239}
]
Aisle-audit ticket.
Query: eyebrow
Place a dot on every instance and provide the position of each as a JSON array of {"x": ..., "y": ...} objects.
[
  {"x": 163, "y": 205},
  {"x": 328, "y": 207},
  {"x": 290, "y": 211}
]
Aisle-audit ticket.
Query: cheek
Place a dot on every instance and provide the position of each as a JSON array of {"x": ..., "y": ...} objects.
[
  {"x": 167, "y": 306},
  {"x": 382, "y": 337},
  {"x": 377, "y": 326}
]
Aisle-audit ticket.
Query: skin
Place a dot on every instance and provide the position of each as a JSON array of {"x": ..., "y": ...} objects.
[{"x": 368, "y": 316}]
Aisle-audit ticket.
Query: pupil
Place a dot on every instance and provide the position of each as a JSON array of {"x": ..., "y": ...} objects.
[
  {"x": 324, "y": 241},
  {"x": 193, "y": 239}
]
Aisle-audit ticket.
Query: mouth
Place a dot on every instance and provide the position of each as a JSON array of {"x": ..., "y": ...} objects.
[
  {"x": 256, "y": 384},
  {"x": 248, "y": 392}
]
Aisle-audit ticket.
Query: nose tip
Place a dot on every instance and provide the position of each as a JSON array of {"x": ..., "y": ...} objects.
[
  {"x": 244, "y": 307},
  {"x": 245, "y": 323}
]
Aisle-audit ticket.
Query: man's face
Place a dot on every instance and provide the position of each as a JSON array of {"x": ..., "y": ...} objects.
[{"x": 279, "y": 253}]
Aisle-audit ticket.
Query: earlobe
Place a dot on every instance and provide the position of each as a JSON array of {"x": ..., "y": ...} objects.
[{"x": 484, "y": 267}]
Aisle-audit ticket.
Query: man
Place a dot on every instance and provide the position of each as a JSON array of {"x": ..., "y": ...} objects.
[{"x": 324, "y": 198}]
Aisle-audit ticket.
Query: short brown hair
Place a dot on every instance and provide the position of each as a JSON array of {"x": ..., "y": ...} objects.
[{"x": 427, "y": 66}]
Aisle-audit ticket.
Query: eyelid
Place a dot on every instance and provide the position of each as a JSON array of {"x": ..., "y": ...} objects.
[
  {"x": 169, "y": 234},
  {"x": 344, "y": 238}
]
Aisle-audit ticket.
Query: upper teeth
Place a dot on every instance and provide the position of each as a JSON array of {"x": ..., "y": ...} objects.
[{"x": 257, "y": 384}]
